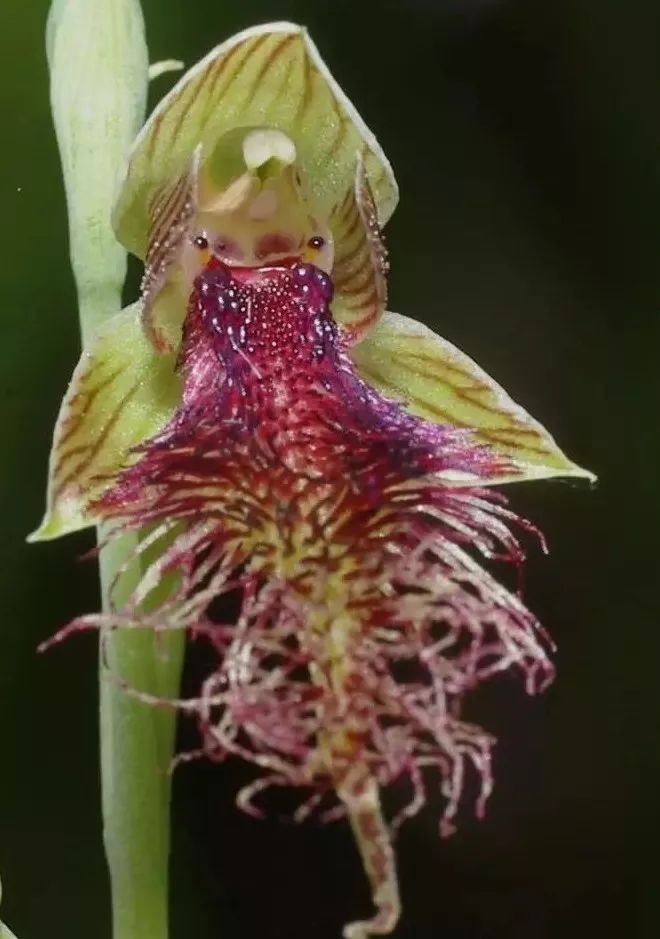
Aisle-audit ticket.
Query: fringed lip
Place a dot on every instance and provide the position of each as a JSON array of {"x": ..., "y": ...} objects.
[{"x": 351, "y": 532}]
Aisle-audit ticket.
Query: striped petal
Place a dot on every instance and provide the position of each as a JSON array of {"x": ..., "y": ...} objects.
[
  {"x": 360, "y": 264},
  {"x": 271, "y": 76},
  {"x": 163, "y": 293},
  {"x": 407, "y": 361},
  {"x": 171, "y": 213},
  {"x": 120, "y": 394}
]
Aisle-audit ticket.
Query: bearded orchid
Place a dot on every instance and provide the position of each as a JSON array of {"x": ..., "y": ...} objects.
[{"x": 277, "y": 436}]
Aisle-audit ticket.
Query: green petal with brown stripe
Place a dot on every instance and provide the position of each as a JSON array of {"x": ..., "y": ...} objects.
[
  {"x": 120, "y": 394},
  {"x": 163, "y": 299},
  {"x": 405, "y": 360},
  {"x": 360, "y": 265},
  {"x": 268, "y": 76}
]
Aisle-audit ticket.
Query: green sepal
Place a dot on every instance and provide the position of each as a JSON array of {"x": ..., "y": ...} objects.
[
  {"x": 266, "y": 76},
  {"x": 407, "y": 361},
  {"x": 121, "y": 393}
]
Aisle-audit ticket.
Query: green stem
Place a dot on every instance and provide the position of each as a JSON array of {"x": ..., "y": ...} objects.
[
  {"x": 98, "y": 63},
  {"x": 137, "y": 742},
  {"x": 99, "y": 71}
]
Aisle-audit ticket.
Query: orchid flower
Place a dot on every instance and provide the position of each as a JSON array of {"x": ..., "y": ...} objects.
[{"x": 277, "y": 435}]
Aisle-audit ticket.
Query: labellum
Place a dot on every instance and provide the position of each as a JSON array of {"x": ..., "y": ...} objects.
[{"x": 279, "y": 437}]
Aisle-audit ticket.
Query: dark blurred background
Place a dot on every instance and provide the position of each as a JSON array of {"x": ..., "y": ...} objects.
[{"x": 526, "y": 140}]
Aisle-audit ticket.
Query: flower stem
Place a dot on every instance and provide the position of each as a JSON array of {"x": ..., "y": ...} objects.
[
  {"x": 137, "y": 742},
  {"x": 98, "y": 62}
]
